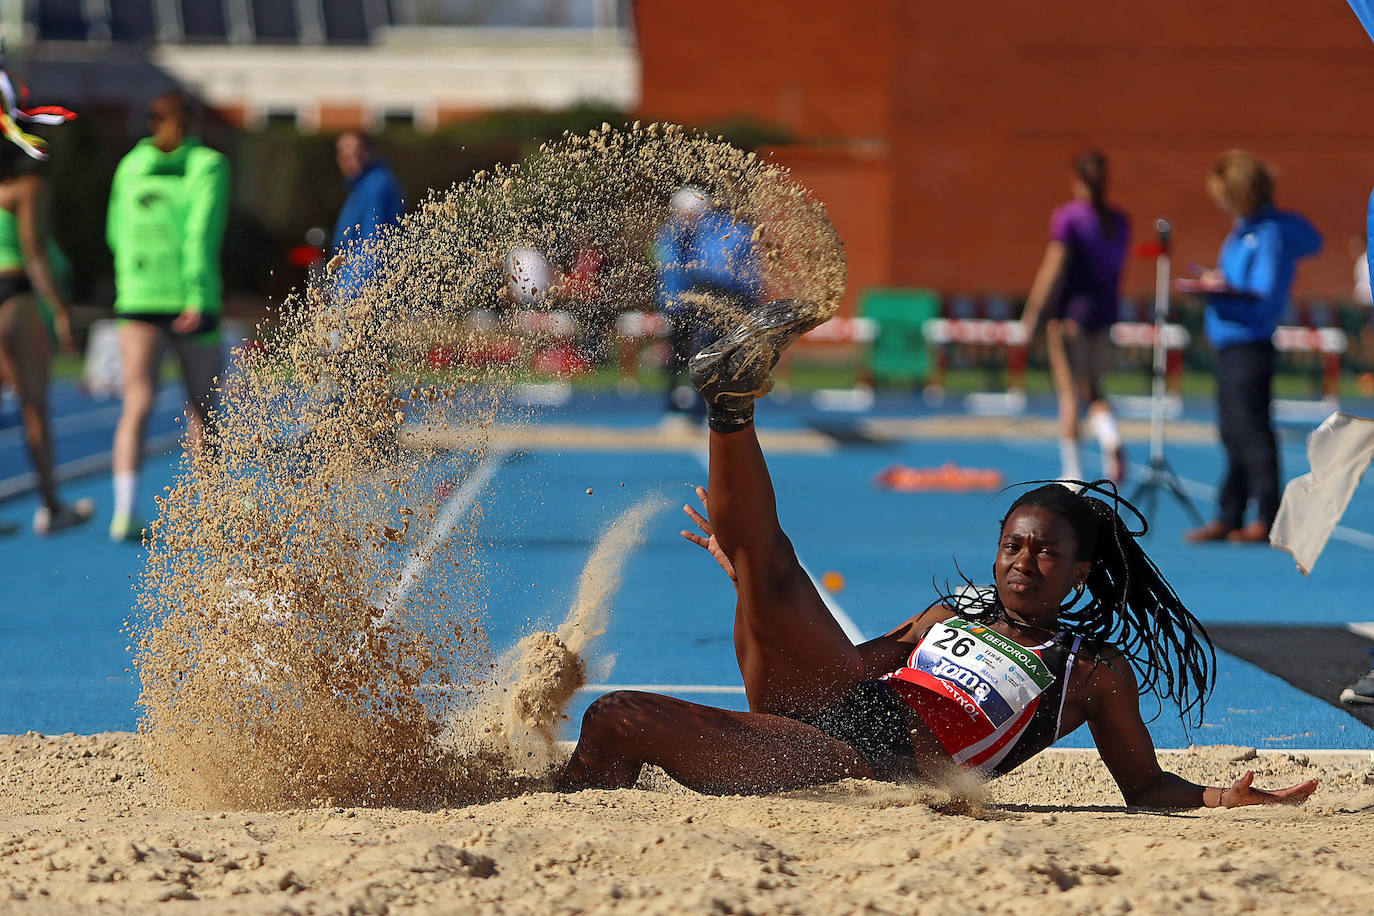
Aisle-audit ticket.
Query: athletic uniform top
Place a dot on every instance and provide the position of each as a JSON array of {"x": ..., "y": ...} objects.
[
  {"x": 713, "y": 251},
  {"x": 992, "y": 702},
  {"x": 166, "y": 225},
  {"x": 11, "y": 253},
  {"x": 1089, "y": 290}
]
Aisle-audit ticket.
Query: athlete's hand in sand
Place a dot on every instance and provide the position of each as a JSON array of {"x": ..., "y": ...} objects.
[
  {"x": 1243, "y": 792},
  {"x": 708, "y": 543}
]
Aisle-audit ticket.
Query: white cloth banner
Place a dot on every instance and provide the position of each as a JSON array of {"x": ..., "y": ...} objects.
[{"x": 1339, "y": 452}]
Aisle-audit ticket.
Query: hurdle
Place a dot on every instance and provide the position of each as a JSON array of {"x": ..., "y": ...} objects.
[
  {"x": 632, "y": 331},
  {"x": 1329, "y": 345},
  {"x": 1140, "y": 335},
  {"x": 1011, "y": 337},
  {"x": 854, "y": 332},
  {"x": 1007, "y": 335}
]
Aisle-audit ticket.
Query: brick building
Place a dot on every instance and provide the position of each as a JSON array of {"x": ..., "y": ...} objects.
[{"x": 939, "y": 134}]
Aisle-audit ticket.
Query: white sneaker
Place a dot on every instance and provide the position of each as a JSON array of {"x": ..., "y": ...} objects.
[
  {"x": 46, "y": 521},
  {"x": 125, "y": 527}
]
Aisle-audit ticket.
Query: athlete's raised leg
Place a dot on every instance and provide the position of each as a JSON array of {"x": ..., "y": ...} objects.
[{"x": 793, "y": 656}]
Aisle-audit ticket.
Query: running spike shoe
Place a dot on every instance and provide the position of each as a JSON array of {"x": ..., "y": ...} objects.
[{"x": 733, "y": 372}]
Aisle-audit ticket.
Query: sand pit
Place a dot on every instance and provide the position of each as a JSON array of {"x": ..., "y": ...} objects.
[{"x": 84, "y": 832}]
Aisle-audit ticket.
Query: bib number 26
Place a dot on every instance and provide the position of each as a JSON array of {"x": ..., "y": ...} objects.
[{"x": 957, "y": 645}]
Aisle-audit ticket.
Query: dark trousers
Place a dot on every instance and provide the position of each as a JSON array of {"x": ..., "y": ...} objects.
[{"x": 1245, "y": 376}]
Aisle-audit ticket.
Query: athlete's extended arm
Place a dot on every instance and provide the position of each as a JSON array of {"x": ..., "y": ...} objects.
[
  {"x": 1047, "y": 280},
  {"x": 36, "y": 259},
  {"x": 1113, "y": 712}
]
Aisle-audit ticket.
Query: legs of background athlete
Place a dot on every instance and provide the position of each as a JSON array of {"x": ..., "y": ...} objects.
[
  {"x": 140, "y": 352},
  {"x": 1066, "y": 394},
  {"x": 24, "y": 360},
  {"x": 201, "y": 363}
]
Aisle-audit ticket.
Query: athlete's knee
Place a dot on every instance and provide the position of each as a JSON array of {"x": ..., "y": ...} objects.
[{"x": 620, "y": 715}]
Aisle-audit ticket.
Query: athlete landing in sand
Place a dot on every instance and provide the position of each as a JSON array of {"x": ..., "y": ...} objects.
[{"x": 983, "y": 679}]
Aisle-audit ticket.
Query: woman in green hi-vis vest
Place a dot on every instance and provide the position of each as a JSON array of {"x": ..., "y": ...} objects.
[{"x": 168, "y": 208}]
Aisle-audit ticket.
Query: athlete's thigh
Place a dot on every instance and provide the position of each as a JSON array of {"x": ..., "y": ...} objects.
[
  {"x": 140, "y": 354},
  {"x": 723, "y": 750},
  {"x": 25, "y": 355},
  {"x": 1057, "y": 349},
  {"x": 201, "y": 362}
]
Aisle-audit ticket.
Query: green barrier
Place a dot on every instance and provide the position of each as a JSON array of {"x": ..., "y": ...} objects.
[{"x": 898, "y": 354}]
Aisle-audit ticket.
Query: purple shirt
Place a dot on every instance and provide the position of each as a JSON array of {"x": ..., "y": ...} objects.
[{"x": 1088, "y": 293}]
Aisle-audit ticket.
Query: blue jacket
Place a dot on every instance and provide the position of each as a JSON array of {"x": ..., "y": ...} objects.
[
  {"x": 1369, "y": 239},
  {"x": 713, "y": 250},
  {"x": 374, "y": 200},
  {"x": 1258, "y": 259}
]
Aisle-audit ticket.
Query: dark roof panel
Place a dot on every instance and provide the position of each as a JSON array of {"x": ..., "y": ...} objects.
[
  {"x": 132, "y": 20},
  {"x": 275, "y": 20},
  {"x": 203, "y": 20},
  {"x": 345, "y": 20},
  {"x": 60, "y": 20}
]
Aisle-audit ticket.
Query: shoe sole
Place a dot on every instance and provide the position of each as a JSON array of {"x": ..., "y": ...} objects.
[
  {"x": 1351, "y": 698},
  {"x": 767, "y": 332}
]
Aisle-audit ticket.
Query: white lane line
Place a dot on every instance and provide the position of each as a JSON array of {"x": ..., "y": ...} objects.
[
  {"x": 80, "y": 467},
  {"x": 663, "y": 688},
  {"x": 851, "y": 630},
  {"x": 454, "y": 509},
  {"x": 607, "y": 688},
  {"x": 90, "y": 419}
]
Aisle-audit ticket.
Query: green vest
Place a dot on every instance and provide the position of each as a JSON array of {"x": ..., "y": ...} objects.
[
  {"x": 165, "y": 226},
  {"x": 11, "y": 252}
]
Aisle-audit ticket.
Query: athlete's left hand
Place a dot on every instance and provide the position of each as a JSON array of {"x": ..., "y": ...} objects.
[
  {"x": 1243, "y": 792},
  {"x": 708, "y": 543}
]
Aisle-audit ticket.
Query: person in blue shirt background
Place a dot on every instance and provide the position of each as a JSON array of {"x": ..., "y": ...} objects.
[
  {"x": 701, "y": 250},
  {"x": 374, "y": 200},
  {"x": 1247, "y": 294}
]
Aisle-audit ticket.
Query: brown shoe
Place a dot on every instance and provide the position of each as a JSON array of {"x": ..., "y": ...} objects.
[
  {"x": 1212, "y": 531},
  {"x": 1257, "y": 532}
]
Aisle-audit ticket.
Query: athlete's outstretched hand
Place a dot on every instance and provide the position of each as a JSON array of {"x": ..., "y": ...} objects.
[
  {"x": 1243, "y": 792},
  {"x": 708, "y": 543}
]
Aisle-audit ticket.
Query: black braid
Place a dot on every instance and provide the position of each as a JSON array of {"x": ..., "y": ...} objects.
[{"x": 1132, "y": 606}]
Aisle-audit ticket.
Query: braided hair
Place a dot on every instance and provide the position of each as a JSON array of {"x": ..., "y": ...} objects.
[{"x": 1131, "y": 606}]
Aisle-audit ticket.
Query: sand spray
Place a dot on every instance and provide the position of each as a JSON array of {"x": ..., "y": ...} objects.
[{"x": 302, "y": 635}]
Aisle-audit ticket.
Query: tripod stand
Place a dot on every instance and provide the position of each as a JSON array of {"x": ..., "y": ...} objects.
[{"x": 1158, "y": 474}]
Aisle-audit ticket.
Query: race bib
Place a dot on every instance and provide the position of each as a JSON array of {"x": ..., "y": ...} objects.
[{"x": 986, "y": 673}]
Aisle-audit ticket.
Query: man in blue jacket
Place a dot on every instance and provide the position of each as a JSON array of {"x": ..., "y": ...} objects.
[
  {"x": 374, "y": 200},
  {"x": 703, "y": 252},
  {"x": 1247, "y": 294}
]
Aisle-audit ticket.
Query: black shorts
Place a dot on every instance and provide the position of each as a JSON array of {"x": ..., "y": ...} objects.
[
  {"x": 872, "y": 719},
  {"x": 14, "y": 285},
  {"x": 208, "y": 321}
]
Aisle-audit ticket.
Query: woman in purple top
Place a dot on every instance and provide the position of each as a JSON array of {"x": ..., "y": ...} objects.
[{"x": 1078, "y": 284}]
